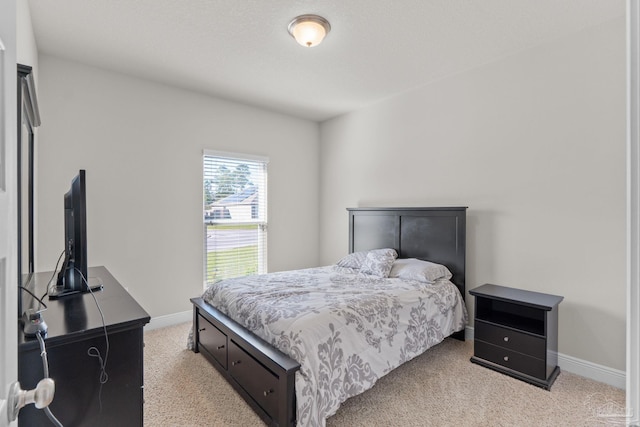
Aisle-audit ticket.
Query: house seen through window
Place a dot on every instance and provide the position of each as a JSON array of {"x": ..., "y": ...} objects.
[{"x": 235, "y": 215}]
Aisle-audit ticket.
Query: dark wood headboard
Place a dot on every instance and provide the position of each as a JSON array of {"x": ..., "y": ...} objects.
[{"x": 433, "y": 234}]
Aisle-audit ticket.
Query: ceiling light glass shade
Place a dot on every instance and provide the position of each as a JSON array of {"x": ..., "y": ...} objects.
[{"x": 309, "y": 30}]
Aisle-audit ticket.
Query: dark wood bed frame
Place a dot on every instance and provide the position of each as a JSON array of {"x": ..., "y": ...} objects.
[{"x": 263, "y": 375}]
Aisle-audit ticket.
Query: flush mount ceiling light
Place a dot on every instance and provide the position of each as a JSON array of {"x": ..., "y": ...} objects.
[{"x": 309, "y": 30}]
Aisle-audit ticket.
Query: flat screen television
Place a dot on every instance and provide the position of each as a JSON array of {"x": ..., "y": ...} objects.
[{"x": 72, "y": 277}]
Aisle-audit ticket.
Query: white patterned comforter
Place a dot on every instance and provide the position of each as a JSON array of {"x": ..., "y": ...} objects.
[{"x": 346, "y": 330}]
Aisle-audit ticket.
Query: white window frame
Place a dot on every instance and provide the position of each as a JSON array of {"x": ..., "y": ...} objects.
[{"x": 262, "y": 222}]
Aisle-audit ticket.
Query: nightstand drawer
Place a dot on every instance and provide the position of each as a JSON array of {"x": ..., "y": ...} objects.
[
  {"x": 510, "y": 339},
  {"x": 511, "y": 359}
]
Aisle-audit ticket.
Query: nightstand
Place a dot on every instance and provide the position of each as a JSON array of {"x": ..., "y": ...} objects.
[{"x": 516, "y": 333}]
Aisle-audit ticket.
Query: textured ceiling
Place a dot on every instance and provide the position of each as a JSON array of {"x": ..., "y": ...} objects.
[{"x": 240, "y": 49}]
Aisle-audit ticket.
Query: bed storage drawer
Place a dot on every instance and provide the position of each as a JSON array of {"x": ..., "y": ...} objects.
[
  {"x": 264, "y": 378},
  {"x": 510, "y": 339},
  {"x": 213, "y": 340},
  {"x": 255, "y": 378}
]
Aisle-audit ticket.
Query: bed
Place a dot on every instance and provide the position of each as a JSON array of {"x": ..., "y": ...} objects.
[{"x": 296, "y": 344}]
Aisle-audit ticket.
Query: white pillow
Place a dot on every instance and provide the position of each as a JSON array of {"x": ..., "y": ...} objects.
[
  {"x": 378, "y": 263},
  {"x": 415, "y": 269},
  {"x": 353, "y": 260},
  {"x": 356, "y": 259}
]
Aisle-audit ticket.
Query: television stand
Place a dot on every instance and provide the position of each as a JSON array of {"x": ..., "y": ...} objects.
[
  {"x": 54, "y": 291},
  {"x": 75, "y": 325}
]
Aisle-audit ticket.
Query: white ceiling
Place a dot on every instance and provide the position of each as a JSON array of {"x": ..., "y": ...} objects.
[{"x": 241, "y": 50}]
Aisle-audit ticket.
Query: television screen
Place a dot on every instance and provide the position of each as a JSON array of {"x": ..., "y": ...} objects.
[{"x": 72, "y": 277}]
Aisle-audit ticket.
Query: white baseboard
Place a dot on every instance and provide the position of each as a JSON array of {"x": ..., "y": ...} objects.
[
  {"x": 169, "y": 320},
  {"x": 594, "y": 371},
  {"x": 603, "y": 374}
]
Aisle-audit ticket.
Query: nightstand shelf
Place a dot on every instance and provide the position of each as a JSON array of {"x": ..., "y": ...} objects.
[{"x": 516, "y": 333}]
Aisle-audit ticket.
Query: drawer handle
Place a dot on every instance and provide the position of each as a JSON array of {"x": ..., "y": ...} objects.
[
  {"x": 220, "y": 347},
  {"x": 506, "y": 358},
  {"x": 237, "y": 362},
  {"x": 268, "y": 392},
  {"x": 506, "y": 339},
  {"x": 202, "y": 329}
]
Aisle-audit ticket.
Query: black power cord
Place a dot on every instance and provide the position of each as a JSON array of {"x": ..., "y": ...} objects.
[
  {"x": 53, "y": 275},
  {"x": 34, "y": 296}
]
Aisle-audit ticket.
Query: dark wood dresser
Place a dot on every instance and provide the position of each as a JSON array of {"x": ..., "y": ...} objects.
[
  {"x": 75, "y": 325},
  {"x": 516, "y": 333}
]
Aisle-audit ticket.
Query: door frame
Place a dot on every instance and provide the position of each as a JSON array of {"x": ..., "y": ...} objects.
[
  {"x": 633, "y": 213},
  {"x": 8, "y": 205}
]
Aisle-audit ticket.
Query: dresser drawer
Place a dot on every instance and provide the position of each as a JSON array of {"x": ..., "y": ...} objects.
[
  {"x": 510, "y": 339},
  {"x": 213, "y": 340},
  {"x": 255, "y": 378},
  {"x": 511, "y": 359}
]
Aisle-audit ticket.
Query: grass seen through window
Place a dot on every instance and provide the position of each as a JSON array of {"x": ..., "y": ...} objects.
[{"x": 237, "y": 261}]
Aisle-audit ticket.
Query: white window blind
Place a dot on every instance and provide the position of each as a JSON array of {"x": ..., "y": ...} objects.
[{"x": 235, "y": 215}]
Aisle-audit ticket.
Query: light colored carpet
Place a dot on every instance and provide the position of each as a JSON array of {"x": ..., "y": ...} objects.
[{"x": 439, "y": 388}]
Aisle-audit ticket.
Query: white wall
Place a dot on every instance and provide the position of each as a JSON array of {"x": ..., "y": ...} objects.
[
  {"x": 26, "y": 42},
  {"x": 141, "y": 144},
  {"x": 534, "y": 145}
]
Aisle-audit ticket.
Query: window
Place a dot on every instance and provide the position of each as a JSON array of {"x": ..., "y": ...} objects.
[{"x": 235, "y": 215}]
